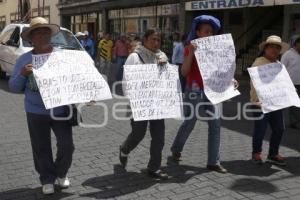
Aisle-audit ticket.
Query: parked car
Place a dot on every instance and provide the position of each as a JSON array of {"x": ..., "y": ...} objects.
[{"x": 12, "y": 45}]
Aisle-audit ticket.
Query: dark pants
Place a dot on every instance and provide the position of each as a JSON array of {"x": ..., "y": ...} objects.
[
  {"x": 294, "y": 112},
  {"x": 120, "y": 69},
  {"x": 275, "y": 119},
  {"x": 157, "y": 131},
  {"x": 181, "y": 78},
  {"x": 40, "y": 135}
]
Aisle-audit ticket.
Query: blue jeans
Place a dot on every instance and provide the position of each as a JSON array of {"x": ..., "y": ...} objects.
[
  {"x": 195, "y": 98},
  {"x": 120, "y": 62},
  {"x": 275, "y": 119}
]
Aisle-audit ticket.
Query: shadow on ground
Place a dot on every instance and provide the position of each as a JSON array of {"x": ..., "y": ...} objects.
[
  {"x": 253, "y": 185},
  {"x": 248, "y": 168},
  {"x": 32, "y": 194},
  {"x": 121, "y": 182}
]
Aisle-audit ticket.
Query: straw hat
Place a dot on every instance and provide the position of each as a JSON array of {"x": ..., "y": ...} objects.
[
  {"x": 274, "y": 39},
  {"x": 39, "y": 22}
]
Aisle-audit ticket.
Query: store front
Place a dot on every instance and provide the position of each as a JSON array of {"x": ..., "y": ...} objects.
[{"x": 135, "y": 21}]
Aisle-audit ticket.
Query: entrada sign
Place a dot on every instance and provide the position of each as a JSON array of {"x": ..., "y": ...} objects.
[{"x": 226, "y": 4}]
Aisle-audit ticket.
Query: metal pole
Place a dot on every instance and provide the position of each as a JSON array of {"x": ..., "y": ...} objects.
[
  {"x": 43, "y": 8},
  {"x": 39, "y": 12},
  {"x": 20, "y": 11}
]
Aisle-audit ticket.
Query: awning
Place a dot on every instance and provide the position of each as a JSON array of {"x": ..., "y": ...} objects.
[{"x": 230, "y": 4}]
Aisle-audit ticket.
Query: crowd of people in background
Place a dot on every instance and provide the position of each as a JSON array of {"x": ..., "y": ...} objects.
[{"x": 112, "y": 51}]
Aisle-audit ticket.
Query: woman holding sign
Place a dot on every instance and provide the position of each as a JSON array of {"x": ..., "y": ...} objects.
[
  {"x": 40, "y": 121},
  {"x": 202, "y": 26},
  {"x": 148, "y": 53},
  {"x": 270, "y": 52}
]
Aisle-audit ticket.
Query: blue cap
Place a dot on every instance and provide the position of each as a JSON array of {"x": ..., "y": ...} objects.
[{"x": 214, "y": 22}]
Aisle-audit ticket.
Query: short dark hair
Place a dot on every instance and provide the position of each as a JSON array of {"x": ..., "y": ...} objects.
[{"x": 151, "y": 31}]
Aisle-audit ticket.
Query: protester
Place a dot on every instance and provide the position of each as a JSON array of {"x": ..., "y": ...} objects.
[
  {"x": 291, "y": 60},
  {"x": 39, "y": 120},
  {"x": 89, "y": 44},
  {"x": 202, "y": 26},
  {"x": 120, "y": 54},
  {"x": 270, "y": 52},
  {"x": 80, "y": 36},
  {"x": 178, "y": 58},
  {"x": 176, "y": 40},
  {"x": 167, "y": 45},
  {"x": 134, "y": 44},
  {"x": 105, "y": 46},
  {"x": 148, "y": 53}
]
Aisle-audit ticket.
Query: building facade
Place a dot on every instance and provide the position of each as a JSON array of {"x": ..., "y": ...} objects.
[
  {"x": 13, "y": 11},
  {"x": 250, "y": 22},
  {"x": 129, "y": 17}
]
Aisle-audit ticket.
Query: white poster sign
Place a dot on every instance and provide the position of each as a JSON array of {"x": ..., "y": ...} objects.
[
  {"x": 216, "y": 60},
  {"x": 68, "y": 77},
  {"x": 274, "y": 87},
  {"x": 154, "y": 91}
]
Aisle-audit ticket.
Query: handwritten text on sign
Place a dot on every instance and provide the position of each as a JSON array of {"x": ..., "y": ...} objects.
[
  {"x": 216, "y": 60},
  {"x": 67, "y": 77},
  {"x": 274, "y": 87},
  {"x": 154, "y": 91}
]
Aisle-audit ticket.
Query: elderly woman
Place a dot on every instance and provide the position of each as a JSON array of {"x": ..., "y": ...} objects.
[
  {"x": 148, "y": 53},
  {"x": 270, "y": 52},
  {"x": 39, "y": 120}
]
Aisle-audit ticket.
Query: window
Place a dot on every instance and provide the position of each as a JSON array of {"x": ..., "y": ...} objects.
[
  {"x": 15, "y": 37},
  {"x": 6, "y": 34},
  {"x": 2, "y": 22},
  {"x": 62, "y": 40}
]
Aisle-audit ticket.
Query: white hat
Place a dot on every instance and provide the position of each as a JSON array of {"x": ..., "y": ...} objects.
[
  {"x": 274, "y": 39},
  {"x": 39, "y": 22},
  {"x": 78, "y": 34},
  {"x": 86, "y": 33}
]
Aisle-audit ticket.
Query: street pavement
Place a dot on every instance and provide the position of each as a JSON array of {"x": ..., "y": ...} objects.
[{"x": 96, "y": 173}]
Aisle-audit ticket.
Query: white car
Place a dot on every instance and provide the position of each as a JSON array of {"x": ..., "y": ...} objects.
[{"x": 12, "y": 45}]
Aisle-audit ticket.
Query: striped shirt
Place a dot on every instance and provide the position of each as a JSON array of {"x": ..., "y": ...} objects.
[{"x": 105, "y": 47}]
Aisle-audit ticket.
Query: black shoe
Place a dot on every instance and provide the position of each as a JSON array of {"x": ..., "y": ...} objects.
[
  {"x": 217, "y": 168},
  {"x": 160, "y": 175},
  {"x": 176, "y": 156},
  {"x": 123, "y": 159},
  {"x": 276, "y": 160}
]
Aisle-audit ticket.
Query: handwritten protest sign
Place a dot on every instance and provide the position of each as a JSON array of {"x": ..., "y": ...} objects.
[
  {"x": 67, "y": 77},
  {"x": 154, "y": 91},
  {"x": 216, "y": 60},
  {"x": 274, "y": 87}
]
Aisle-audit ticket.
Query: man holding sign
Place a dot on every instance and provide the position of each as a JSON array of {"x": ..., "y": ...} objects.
[
  {"x": 207, "y": 85},
  {"x": 271, "y": 91},
  {"x": 148, "y": 53}
]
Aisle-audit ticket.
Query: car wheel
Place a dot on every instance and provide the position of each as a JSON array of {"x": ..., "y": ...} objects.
[{"x": 2, "y": 74}]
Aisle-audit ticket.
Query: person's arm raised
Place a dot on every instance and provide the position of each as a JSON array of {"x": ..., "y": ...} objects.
[{"x": 187, "y": 63}]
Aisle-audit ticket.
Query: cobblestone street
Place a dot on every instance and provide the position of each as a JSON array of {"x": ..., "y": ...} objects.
[{"x": 96, "y": 173}]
